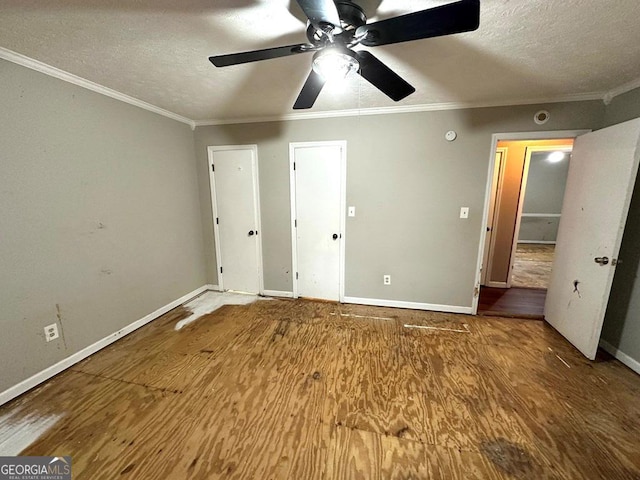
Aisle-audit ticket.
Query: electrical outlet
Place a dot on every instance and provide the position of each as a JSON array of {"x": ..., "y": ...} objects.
[
  {"x": 51, "y": 332},
  {"x": 386, "y": 279}
]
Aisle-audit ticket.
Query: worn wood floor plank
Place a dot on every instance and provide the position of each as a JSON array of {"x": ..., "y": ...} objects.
[{"x": 302, "y": 389}]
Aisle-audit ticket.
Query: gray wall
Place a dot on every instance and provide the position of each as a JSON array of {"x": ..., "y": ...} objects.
[
  {"x": 545, "y": 184},
  {"x": 622, "y": 108},
  {"x": 543, "y": 195},
  {"x": 407, "y": 184},
  {"x": 622, "y": 320},
  {"x": 100, "y": 220}
]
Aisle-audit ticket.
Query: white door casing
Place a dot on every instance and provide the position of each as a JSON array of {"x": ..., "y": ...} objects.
[
  {"x": 235, "y": 199},
  {"x": 318, "y": 188},
  {"x": 600, "y": 183}
]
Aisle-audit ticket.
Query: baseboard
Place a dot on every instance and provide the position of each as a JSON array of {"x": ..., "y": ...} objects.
[
  {"x": 411, "y": 305},
  {"x": 620, "y": 355},
  {"x": 277, "y": 293},
  {"x": 49, "y": 372}
]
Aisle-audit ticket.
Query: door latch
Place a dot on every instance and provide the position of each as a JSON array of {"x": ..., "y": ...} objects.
[{"x": 602, "y": 261}]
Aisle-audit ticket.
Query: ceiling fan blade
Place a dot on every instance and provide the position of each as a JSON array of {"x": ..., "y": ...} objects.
[
  {"x": 257, "y": 55},
  {"x": 382, "y": 77},
  {"x": 320, "y": 11},
  {"x": 458, "y": 17},
  {"x": 310, "y": 91}
]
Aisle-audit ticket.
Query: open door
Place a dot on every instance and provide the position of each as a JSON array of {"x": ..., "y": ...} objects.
[{"x": 600, "y": 183}]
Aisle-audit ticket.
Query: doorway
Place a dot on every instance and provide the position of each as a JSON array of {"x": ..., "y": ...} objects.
[
  {"x": 235, "y": 199},
  {"x": 544, "y": 180},
  {"x": 318, "y": 199},
  {"x": 525, "y": 190}
]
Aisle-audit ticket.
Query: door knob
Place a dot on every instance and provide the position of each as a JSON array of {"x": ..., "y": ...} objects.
[
  {"x": 335, "y": 236},
  {"x": 251, "y": 232},
  {"x": 602, "y": 260}
]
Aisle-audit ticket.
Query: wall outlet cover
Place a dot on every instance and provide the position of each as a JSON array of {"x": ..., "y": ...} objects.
[{"x": 51, "y": 332}]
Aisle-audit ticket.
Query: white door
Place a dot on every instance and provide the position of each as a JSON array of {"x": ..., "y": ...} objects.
[
  {"x": 601, "y": 178},
  {"x": 317, "y": 193},
  {"x": 234, "y": 194}
]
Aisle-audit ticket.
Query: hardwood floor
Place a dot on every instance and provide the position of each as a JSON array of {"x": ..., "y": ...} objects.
[
  {"x": 512, "y": 302},
  {"x": 532, "y": 265},
  {"x": 306, "y": 390}
]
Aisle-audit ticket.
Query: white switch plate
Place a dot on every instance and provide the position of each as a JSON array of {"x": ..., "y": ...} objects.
[
  {"x": 352, "y": 211},
  {"x": 464, "y": 212},
  {"x": 386, "y": 279}
]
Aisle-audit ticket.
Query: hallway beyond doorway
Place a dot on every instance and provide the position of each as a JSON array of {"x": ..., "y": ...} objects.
[{"x": 532, "y": 265}]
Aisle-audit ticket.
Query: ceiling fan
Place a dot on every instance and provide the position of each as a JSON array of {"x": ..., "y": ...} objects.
[{"x": 335, "y": 27}]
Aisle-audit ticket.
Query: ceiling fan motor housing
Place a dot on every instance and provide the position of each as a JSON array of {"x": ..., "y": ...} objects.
[{"x": 351, "y": 17}]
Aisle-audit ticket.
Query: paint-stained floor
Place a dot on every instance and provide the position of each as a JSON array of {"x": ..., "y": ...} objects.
[
  {"x": 306, "y": 390},
  {"x": 532, "y": 265}
]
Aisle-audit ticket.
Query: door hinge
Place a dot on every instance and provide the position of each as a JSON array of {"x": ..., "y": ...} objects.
[
  {"x": 295, "y": 223},
  {"x": 476, "y": 291},
  {"x": 296, "y": 275},
  {"x": 217, "y": 221},
  {"x": 294, "y": 165},
  {"x": 213, "y": 168},
  {"x": 220, "y": 269}
]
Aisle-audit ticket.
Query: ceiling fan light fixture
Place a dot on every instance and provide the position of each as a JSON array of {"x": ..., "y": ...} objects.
[{"x": 335, "y": 63}]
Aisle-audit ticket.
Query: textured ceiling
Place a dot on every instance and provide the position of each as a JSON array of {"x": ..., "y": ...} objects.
[{"x": 157, "y": 51}]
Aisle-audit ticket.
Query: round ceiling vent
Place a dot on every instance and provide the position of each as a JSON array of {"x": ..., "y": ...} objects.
[{"x": 541, "y": 117}]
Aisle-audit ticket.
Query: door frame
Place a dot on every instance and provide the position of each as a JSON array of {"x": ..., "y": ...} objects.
[
  {"x": 494, "y": 206},
  {"x": 495, "y": 138},
  {"x": 343, "y": 206},
  {"x": 211, "y": 149}
]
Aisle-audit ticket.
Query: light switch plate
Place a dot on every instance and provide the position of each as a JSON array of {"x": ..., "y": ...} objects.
[
  {"x": 352, "y": 211},
  {"x": 464, "y": 212}
]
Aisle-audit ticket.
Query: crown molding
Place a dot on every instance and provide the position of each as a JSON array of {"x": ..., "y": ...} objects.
[
  {"x": 41, "y": 67},
  {"x": 627, "y": 87},
  {"x": 581, "y": 97}
]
